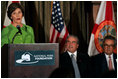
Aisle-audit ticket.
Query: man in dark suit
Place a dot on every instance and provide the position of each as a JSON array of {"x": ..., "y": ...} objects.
[
  {"x": 82, "y": 60},
  {"x": 105, "y": 62}
]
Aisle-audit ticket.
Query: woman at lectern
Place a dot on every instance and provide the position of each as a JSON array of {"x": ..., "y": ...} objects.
[{"x": 16, "y": 32}]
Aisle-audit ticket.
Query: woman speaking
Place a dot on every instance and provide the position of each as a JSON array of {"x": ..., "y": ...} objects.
[{"x": 16, "y": 32}]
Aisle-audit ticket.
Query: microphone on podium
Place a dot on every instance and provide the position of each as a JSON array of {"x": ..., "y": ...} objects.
[{"x": 19, "y": 31}]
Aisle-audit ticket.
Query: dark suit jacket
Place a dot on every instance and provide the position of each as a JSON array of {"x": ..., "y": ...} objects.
[
  {"x": 82, "y": 61},
  {"x": 100, "y": 66}
]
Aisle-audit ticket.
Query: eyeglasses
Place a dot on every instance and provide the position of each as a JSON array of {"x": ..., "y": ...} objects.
[{"x": 106, "y": 45}]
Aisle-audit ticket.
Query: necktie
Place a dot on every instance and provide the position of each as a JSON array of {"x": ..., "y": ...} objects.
[
  {"x": 110, "y": 63},
  {"x": 77, "y": 73}
]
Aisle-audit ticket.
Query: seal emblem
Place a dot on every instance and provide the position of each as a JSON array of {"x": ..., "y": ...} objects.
[{"x": 105, "y": 28}]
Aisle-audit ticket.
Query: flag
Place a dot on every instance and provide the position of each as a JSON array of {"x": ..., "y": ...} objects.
[
  {"x": 104, "y": 25},
  {"x": 58, "y": 30},
  {"x": 7, "y": 21}
]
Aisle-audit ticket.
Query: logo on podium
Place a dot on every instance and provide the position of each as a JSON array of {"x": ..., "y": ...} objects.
[
  {"x": 26, "y": 58},
  {"x": 34, "y": 58}
]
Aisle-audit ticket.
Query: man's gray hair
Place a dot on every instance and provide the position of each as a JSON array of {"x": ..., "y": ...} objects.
[{"x": 74, "y": 37}]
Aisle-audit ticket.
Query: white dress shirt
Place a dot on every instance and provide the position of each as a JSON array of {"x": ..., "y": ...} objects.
[
  {"x": 107, "y": 58},
  {"x": 75, "y": 54}
]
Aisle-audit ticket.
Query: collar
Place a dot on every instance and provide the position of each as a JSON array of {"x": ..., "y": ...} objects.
[
  {"x": 75, "y": 53},
  {"x": 15, "y": 27},
  {"x": 107, "y": 56}
]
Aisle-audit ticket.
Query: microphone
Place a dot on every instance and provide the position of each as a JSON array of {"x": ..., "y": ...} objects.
[{"x": 19, "y": 30}]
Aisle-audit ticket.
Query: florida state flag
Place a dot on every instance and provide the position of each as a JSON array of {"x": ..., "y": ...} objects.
[{"x": 104, "y": 25}]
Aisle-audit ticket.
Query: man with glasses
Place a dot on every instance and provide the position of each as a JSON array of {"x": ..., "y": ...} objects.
[{"x": 105, "y": 64}]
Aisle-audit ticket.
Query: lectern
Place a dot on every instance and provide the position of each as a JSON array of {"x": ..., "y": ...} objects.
[{"x": 29, "y": 60}]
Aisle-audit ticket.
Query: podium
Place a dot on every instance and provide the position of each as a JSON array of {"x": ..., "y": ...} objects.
[{"x": 37, "y": 60}]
